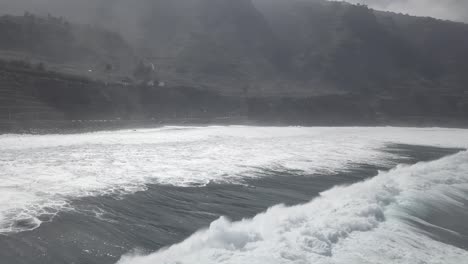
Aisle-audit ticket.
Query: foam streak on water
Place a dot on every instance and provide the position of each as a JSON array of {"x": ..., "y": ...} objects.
[{"x": 40, "y": 174}]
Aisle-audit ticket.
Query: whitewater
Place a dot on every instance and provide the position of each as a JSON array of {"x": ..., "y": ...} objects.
[
  {"x": 380, "y": 220},
  {"x": 363, "y": 223}
]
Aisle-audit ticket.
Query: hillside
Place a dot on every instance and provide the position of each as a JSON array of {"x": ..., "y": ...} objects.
[
  {"x": 267, "y": 47},
  {"x": 361, "y": 50},
  {"x": 281, "y": 62},
  {"x": 306, "y": 48},
  {"x": 64, "y": 46},
  {"x": 33, "y": 100}
]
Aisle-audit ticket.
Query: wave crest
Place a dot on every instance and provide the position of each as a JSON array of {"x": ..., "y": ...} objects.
[{"x": 363, "y": 223}]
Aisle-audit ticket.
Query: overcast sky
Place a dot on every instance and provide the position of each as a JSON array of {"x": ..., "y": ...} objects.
[{"x": 445, "y": 9}]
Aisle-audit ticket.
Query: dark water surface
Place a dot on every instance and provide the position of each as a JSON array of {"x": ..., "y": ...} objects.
[{"x": 102, "y": 229}]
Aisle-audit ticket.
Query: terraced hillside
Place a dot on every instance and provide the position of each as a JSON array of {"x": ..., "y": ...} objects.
[
  {"x": 20, "y": 102},
  {"x": 36, "y": 97}
]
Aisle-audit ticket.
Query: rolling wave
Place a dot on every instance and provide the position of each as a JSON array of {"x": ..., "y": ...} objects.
[{"x": 369, "y": 222}]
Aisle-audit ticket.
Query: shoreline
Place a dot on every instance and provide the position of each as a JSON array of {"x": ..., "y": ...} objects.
[{"x": 43, "y": 127}]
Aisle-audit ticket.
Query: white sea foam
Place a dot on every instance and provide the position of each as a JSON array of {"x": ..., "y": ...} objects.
[
  {"x": 361, "y": 223},
  {"x": 40, "y": 174}
]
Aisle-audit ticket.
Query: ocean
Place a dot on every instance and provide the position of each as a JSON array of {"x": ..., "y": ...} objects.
[{"x": 236, "y": 194}]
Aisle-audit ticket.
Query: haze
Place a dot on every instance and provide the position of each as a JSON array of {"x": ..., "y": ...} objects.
[{"x": 94, "y": 11}]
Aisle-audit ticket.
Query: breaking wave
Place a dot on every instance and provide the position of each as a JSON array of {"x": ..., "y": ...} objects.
[
  {"x": 41, "y": 174},
  {"x": 368, "y": 222}
]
